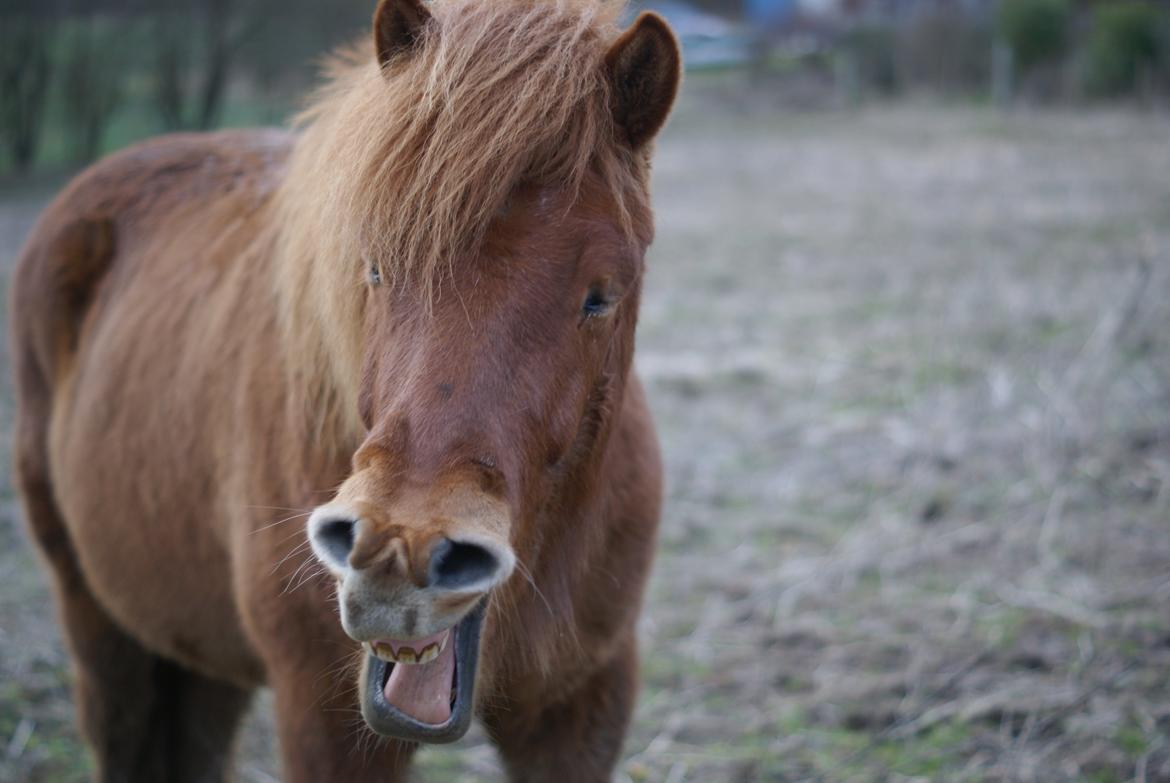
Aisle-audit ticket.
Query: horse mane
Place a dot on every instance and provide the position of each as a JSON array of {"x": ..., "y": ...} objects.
[{"x": 403, "y": 168}]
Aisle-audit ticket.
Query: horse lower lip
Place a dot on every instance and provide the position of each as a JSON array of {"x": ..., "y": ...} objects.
[{"x": 387, "y": 720}]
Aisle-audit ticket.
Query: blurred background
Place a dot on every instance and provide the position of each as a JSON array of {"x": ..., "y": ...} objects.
[
  {"x": 83, "y": 77},
  {"x": 907, "y": 338}
]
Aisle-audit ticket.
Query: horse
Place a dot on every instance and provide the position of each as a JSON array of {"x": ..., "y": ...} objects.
[{"x": 410, "y": 319}]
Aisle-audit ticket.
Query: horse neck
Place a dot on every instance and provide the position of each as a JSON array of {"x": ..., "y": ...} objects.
[
  {"x": 573, "y": 514},
  {"x": 320, "y": 411}
]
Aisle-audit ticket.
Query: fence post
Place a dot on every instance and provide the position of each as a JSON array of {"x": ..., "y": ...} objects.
[{"x": 1002, "y": 73}]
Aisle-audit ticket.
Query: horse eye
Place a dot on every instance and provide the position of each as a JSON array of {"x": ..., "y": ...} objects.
[
  {"x": 375, "y": 275},
  {"x": 595, "y": 304}
]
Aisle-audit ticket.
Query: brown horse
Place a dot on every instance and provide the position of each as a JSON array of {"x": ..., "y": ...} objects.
[{"x": 420, "y": 309}]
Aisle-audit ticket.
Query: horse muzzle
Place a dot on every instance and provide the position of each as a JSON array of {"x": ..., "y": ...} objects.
[{"x": 417, "y": 604}]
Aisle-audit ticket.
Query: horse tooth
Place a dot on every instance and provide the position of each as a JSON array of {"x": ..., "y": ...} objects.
[
  {"x": 406, "y": 654},
  {"x": 384, "y": 651}
]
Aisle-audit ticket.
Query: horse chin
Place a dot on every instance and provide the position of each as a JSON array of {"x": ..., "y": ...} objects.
[{"x": 387, "y": 720}]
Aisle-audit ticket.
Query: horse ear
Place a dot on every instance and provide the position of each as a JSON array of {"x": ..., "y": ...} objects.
[
  {"x": 643, "y": 66},
  {"x": 397, "y": 25}
]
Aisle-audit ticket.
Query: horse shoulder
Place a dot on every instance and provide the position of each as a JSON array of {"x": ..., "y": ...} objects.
[{"x": 112, "y": 203}]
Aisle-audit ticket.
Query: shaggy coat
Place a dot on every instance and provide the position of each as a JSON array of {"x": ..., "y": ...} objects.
[{"x": 415, "y": 314}]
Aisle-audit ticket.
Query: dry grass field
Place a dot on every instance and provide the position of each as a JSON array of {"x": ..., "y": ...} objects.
[{"x": 911, "y": 368}]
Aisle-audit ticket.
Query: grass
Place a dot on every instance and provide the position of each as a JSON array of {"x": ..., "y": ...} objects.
[{"x": 910, "y": 366}]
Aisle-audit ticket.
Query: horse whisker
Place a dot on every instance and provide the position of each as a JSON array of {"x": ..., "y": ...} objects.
[{"x": 281, "y": 522}]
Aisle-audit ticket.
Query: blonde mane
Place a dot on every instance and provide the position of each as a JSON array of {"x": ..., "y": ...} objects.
[{"x": 403, "y": 168}]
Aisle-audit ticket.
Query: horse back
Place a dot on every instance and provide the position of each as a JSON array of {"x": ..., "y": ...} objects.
[{"x": 111, "y": 207}]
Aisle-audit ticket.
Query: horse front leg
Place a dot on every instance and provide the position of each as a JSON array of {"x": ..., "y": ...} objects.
[
  {"x": 322, "y": 734},
  {"x": 144, "y": 718},
  {"x": 578, "y": 739}
]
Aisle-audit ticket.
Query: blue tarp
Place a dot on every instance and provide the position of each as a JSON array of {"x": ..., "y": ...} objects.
[{"x": 767, "y": 13}]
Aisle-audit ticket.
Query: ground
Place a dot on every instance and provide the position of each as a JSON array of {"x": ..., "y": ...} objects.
[{"x": 911, "y": 369}]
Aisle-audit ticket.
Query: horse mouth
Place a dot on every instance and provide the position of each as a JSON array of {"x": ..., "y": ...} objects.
[{"x": 424, "y": 692}]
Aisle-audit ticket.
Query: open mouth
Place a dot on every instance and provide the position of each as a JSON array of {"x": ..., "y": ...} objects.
[{"x": 422, "y": 690}]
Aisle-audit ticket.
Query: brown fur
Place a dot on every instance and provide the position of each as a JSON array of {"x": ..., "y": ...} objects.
[{"x": 200, "y": 359}]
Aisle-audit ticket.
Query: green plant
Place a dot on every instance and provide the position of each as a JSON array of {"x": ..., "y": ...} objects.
[
  {"x": 944, "y": 48},
  {"x": 873, "y": 48},
  {"x": 1036, "y": 30},
  {"x": 1128, "y": 40}
]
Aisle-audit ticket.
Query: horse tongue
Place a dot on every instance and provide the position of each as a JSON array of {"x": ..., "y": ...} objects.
[{"x": 423, "y": 690}]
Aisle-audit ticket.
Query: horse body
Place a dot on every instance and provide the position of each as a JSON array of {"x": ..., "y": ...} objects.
[
  {"x": 142, "y": 416},
  {"x": 188, "y": 386}
]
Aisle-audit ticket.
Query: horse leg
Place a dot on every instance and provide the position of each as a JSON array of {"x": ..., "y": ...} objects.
[
  {"x": 322, "y": 734},
  {"x": 578, "y": 739},
  {"x": 144, "y": 718}
]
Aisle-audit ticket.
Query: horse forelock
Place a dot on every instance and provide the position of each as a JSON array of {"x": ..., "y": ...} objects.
[{"x": 404, "y": 168}]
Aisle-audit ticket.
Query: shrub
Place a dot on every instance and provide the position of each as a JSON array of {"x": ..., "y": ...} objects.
[
  {"x": 1036, "y": 30},
  {"x": 873, "y": 49},
  {"x": 1128, "y": 41},
  {"x": 946, "y": 49}
]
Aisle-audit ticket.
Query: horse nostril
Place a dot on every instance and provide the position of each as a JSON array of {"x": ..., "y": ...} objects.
[
  {"x": 458, "y": 564},
  {"x": 336, "y": 538}
]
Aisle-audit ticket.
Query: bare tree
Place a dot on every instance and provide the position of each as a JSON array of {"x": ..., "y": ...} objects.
[
  {"x": 92, "y": 76},
  {"x": 196, "y": 45},
  {"x": 26, "y": 66}
]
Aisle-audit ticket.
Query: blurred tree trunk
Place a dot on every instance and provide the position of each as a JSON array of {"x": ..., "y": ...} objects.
[
  {"x": 91, "y": 82},
  {"x": 196, "y": 45},
  {"x": 171, "y": 58},
  {"x": 1002, "y": 73},
  {"x": 217, "y": 61},
  {"x": 25, "y": 69}
]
